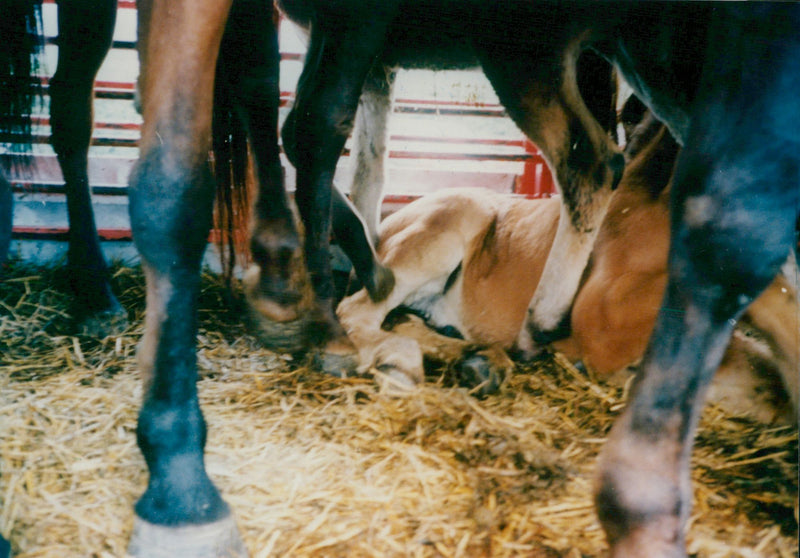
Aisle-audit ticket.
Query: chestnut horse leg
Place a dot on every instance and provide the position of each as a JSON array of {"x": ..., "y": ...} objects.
[
  {"x": 171, "y": 197},
  {"x": 85, "y": 29},
  {"x": 585, "y": 161},
  {"x": 735, "y": 201}
]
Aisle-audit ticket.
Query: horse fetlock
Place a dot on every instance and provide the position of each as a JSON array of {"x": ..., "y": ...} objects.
[
  {"x": 629, "y": 499},
  {"x": 273, "y": 297},
  {"x": 640, "y": 501},
  {"x": 106, "y": 323},
  {"x": 219, "y": 539},
  {"x": 279, "y": 262}
]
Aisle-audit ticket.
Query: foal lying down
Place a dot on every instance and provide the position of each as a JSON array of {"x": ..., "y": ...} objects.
[{"x": 467, "y": 261}]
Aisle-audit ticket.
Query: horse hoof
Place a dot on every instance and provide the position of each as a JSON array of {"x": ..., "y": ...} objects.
[
  {"x": 476, "y": 373},
  {"x": 5, "y": 548},
  {"x": 383, "y": 284},
  {"x": 104, "y": 324},
  {"x": 282, "y": 337},
  {"x": 220, "y": 539},
  {"x": 393, "y": 381},
  {"x": 339, "y": 365}
]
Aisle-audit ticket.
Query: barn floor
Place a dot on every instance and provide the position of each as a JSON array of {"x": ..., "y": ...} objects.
[{"x": 317, "y": 466}]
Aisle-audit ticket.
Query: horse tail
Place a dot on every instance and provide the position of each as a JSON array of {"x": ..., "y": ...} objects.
[
  {"x": 233, "y": 163},
  {"x": 21, "y": 35},
  {"x": 234, "y": 177}
]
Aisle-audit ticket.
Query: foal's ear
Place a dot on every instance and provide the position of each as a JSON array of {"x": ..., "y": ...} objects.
[{"x": 484, "y": 255}]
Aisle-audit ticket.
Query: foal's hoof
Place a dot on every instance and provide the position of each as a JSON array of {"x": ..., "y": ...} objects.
[
  {"x": 103, "y": 324},
  {"x": 220, "y": 539},
  {"x": 339, "y": 365},
  {"x": 478, "y": 375}
]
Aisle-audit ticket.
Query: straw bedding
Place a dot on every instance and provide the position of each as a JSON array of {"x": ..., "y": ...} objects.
[{"x": 319, "y": 466}]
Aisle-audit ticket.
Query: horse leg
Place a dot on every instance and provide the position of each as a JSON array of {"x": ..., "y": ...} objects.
[
  {"x": 337, "y": 63},
  {"x": 171, "y": 198},
  {"x": 734, "y": 208},
  {"x": 6, "y": 216},
  {"x": 349, "y": 230},
  {"x": 85, "y": 30},
  {"x": 248, "y": 85},
  {"x": 369, "y": 145},
  {"x": 479, "y": 368},
  {"x": 586, "y": 163},
  {"x": 422, "y": 248}
]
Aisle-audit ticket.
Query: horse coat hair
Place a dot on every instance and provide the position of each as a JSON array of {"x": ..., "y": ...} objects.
[{"x": 467, "y": 261}]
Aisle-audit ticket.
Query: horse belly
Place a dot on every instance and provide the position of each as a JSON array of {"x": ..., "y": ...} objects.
[{"x": 429, "y": 41}]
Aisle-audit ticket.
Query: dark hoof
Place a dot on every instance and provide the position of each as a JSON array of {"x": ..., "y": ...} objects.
[
  {"x": 220, "y": 539},
  {"x": 283, "y": 337},
  {"x": 476, "y": 374},
  {"x": 382, "y": 285},
  {"x": 339, "y": 365},
  {"x": 5, "y": 548},
  {"x": 103, "y": 324}
]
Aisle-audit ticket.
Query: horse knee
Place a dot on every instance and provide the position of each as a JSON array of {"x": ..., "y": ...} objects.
[{"x": 170, "y": 228}]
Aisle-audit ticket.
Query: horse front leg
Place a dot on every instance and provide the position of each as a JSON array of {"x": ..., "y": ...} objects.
[
  {"x": 314, "y": 135},
  {"x": 181, "y": 514},
  {"x": 85, "y": 32},
  {"x": 734, "y": 209}
]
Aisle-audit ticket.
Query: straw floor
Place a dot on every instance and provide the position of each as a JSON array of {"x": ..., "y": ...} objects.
[{"x": 317, "y": 466}]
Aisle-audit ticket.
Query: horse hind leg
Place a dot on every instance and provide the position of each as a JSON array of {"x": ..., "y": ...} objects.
[
  {"x": 246, "y": 104},
  {"x": 369, "y": 152},
  {"x": 355, "y": 224},
  {"x": 732, "y": 230},
  {"x": 85, "y": 34},
  {"x": 585, "y": 162},
  {"x": 6, "y": 217}
]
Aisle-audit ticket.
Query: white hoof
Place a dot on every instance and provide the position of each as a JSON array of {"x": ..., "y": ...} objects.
[{"x": 220, "y": 539}]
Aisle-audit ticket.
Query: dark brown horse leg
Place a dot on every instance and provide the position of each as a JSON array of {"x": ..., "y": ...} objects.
[
  {"x": 248, "y": 87},
  {"x": 85, "y": 32},
  {"x": 732, "y": 229},
  {"x": 6, "y": 218},
  {"x": 585, "y": 162},
  {"x": 337, "y": 63},
  {"x": 181, "y": 514},
  {"x": 351, "y": 233}
]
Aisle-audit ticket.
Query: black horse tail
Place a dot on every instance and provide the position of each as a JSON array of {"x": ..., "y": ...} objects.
[{"x": 20, "y": 89}]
